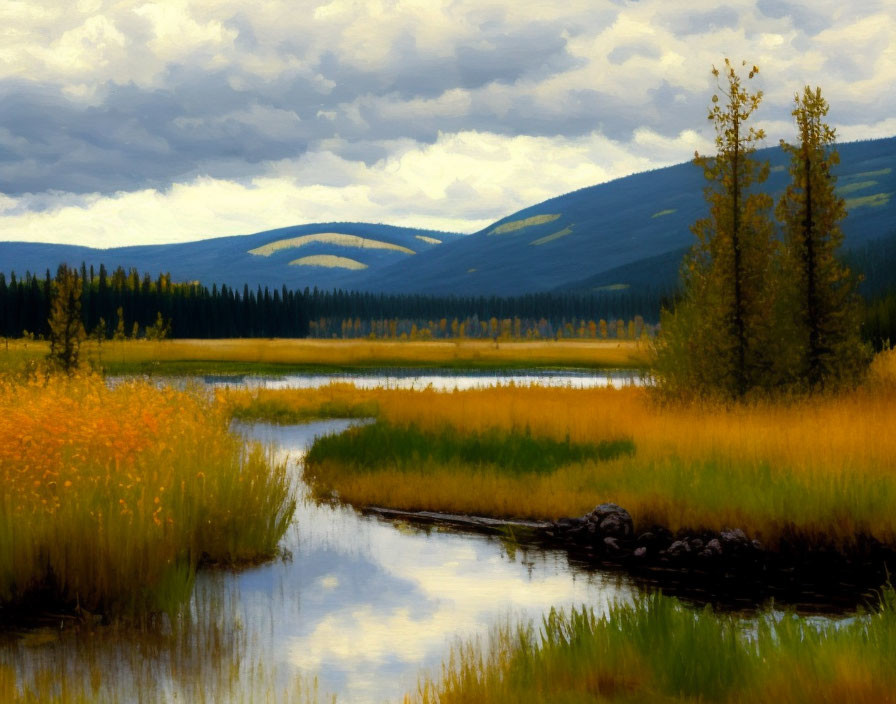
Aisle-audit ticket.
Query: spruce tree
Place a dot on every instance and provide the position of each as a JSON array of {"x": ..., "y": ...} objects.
[
  {"x": 715, "y": 341},
  {"x": 820, "y": 305},
  {"x": 66, "y": 328}
]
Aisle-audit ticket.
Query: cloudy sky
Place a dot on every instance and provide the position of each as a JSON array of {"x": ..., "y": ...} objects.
[{"x": 128, "y": 122}]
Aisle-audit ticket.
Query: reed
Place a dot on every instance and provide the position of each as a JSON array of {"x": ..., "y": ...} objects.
[
  {"x": 264, "y": 355},
  {"x": 660, "y": 651},
  {"x": 822, "y": 466},
  {"x": 111, "y": 497}
]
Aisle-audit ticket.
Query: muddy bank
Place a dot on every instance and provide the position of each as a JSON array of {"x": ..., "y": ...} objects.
[{"x": 728, "y": 569}]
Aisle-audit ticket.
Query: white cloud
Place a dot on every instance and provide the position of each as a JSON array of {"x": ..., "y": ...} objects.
[
  {"x": 462, "y": 183},
  {"x": 636, "y": 75}
]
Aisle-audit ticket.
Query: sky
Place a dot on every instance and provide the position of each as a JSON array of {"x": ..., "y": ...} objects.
[{"x": 127, "y": 122}]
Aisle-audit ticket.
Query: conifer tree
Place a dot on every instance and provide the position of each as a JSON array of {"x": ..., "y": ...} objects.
[
  {"x": 715, "y": 341},
  {"x": 820, "y": 303},
  {"x": 66, "y": 328}
]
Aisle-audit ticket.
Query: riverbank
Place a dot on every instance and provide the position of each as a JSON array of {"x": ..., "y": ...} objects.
[
  {"x": 112, "y": 497},
  {"x": 809, "y": 478},
  {"x": 657, "y": 650},
  {"x": 282, "y": 356}
]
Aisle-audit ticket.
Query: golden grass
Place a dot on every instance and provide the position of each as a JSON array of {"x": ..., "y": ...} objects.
[
  {"x": 335, "y": 238},
  {"x": 350, "y": 353},
  {"x": 824, "y": 466},
  {"x": 428, "y": 240},
  {"x": 111, "y": 497}
]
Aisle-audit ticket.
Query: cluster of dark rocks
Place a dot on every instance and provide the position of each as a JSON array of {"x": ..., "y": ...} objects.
[{"x": 608, "y": 533}]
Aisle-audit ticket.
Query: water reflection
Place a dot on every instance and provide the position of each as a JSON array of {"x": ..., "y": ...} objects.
[
  {"x": 366, "y": 603},
  {"x": 440, "y": 380}
]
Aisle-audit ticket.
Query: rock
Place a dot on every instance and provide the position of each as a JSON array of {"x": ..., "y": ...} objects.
[
  {"x": 612, "y": 520},
  {"x": 734, "y": 537},
  {"x": 640, "y": 552},
  {"x": 695, "y": 544},
  {"x": 611, "y": 545},
  {"x": 714, "y": 547},
  {"x": 678, "y": 548},
  {"x": 646, "y": 538}
]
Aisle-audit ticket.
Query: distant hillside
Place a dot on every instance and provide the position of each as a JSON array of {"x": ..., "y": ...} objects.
[
  {"x": 326, "y": 255},
  {"x": 628, "y": 234}
]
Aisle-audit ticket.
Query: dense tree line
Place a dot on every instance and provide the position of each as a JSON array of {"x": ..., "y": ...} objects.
[
  {"x": 191, "y": 310},
  {"x": 123, "y": 303}
]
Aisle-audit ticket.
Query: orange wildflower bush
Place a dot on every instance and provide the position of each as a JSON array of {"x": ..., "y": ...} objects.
[{"x": 110, "y": 497}]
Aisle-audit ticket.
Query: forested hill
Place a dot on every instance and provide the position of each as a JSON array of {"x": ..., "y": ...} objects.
[
  {"x": 629, "y": 232},
  {"x": 325, "y": 255},
  {"x": 626, "y": 234}
]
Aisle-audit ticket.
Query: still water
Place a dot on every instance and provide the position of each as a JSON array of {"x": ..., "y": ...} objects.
[
  {"x": 441, "y": 380},
  {"x": 362, "y": 604},
  {"x": 365, "y": 604}
]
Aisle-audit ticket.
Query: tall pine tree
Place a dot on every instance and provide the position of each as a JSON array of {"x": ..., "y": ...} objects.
[
  {"x": 715, "y": 341},
  {"x": 820, "y": 305}
]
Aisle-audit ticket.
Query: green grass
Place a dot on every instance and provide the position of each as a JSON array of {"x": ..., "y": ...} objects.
[
  {"x": 658, "y": 650},
  {"x": 381, "y": 444}
]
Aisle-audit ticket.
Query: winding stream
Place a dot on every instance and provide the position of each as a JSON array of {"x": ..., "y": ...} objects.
[
  {"x": 366, "y": 603},
  {"x": 363, "y": 604}
]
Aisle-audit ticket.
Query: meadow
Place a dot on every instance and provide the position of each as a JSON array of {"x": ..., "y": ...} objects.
[
  {"x": 821, "y": 466},
  {"x": 272, "y": 356},
  {"x": 658, "y": 650},
  {"x": 112, "y": 496}
]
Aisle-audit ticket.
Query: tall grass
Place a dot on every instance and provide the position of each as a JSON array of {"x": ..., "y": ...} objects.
[
  {"x": 185, "y": 356},
  {"x": 822, "y": 466},
  {"x": 660, "y": 651},
  {"x": 407, "y": 447},
  {"x": 111, "y": 497}
]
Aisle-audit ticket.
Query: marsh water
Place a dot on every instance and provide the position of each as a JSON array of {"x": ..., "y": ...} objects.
[
  {"x": 438, "y": 379},
  {"x": 361, "y": 603}
]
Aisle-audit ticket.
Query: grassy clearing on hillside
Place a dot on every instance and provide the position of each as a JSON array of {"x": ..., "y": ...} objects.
[
  {"x": 876, "y": 200},
  {"x": 111, "y": 497},
  {"x": 660, "y": 651},
  {"x": 329, "y": 261},
  {"x": 823, "y": 466},
  {"x": 273, "y": 356},
  {"x": 515, "y": 225},
  {"x": 335, "y": 238}
]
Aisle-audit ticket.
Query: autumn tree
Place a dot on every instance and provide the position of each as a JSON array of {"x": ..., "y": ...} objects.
[
  {"x": 715, "y": 341},
  {"x": 119, "y": 333},
  {"x": 820, "y": 304},
  {"x": 66, "y": 328}
]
